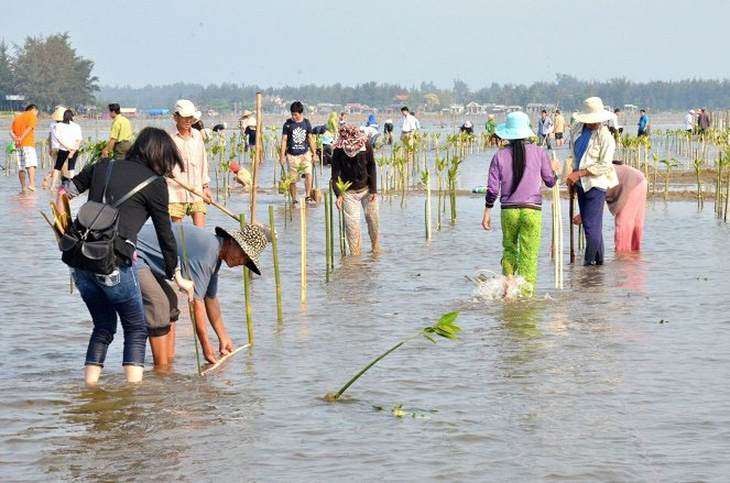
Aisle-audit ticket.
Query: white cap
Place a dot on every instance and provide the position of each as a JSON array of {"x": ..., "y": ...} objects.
[{"x": 185, "y": 108}]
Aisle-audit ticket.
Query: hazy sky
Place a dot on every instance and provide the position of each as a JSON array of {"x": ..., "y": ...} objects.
[{"x": 272, "y": 43}]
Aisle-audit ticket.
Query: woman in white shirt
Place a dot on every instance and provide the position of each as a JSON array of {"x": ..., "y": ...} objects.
[{"x": 66, "y": 139}]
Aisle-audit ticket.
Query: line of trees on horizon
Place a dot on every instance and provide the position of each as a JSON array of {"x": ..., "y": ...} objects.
[{"x": 566, "y": 91}]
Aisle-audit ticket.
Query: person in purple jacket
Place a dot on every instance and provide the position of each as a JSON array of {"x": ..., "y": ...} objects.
[{"x": 514, "y": 176}]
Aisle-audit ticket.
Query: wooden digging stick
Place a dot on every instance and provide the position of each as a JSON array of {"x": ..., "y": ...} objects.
[{"x": 213, "y": 202}]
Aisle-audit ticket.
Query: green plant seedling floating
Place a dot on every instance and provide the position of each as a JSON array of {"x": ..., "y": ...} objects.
[{"x": 443, "y": 328}]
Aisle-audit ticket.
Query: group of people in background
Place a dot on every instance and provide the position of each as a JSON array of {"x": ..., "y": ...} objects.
[
  {"x": 697, "y": 121},
  {"x": 518, "y": 170}
]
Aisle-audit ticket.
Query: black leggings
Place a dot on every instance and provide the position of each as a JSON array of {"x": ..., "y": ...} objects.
[{"x": 62, "y": 157}]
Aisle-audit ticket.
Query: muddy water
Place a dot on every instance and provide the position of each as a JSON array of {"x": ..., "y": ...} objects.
[{"x": 584, "y": 384}]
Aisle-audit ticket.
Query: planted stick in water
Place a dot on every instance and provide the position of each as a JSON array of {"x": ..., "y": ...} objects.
[
  {"x": 247, "y": 292},
  {"x": 327, "y": 237},
  {"x": 303, "y": 224},
  {"x": 277, "y": 277},
  {"x": 190, "y": 303}
]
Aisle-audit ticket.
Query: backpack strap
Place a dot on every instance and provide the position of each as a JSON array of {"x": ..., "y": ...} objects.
[
  {"x": 135, "y": 190},
  {"x": 106, "y": 183}
]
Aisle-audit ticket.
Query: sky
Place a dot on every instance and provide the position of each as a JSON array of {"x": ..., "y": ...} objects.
[{"x": 272, "y": 44}]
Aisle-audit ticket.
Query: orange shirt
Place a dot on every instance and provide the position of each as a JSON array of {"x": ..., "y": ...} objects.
[{"x": 23, "y": 122}]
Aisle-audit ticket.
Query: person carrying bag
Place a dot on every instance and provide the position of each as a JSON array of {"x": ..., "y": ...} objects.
[{"x": 100, "y": 245}]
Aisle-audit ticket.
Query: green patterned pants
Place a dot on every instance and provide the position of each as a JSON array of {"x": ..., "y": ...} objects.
[{"x": 521, "y": 241}]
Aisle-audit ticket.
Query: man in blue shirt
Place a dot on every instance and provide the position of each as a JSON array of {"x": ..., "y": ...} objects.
[
  {"x": 205, "y": 252},
  {"x": 545, "y": 127},
  {"x": 643, "y": 124}
]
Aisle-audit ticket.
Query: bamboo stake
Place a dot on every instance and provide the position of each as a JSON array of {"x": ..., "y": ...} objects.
[
  {"x": 428, "y": 205},
  {"x": 213, "y": 202},
  {"x": 332, "y": 229},
  {"x": 571, "y": 214},
  {"x": 247, "y": 292},
  {"x": 275, "y": 251},
  {"x": 303, "y": 225},
  {"x": 256, "y": 159},
  {"x": 190, "y": 303},
  {"x": 327, "y": 237}
]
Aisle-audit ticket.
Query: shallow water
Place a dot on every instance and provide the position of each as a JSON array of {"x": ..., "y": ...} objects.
[{"x": 584, "y": 384}]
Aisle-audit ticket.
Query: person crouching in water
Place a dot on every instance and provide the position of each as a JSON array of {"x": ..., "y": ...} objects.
[
  {"x": 514, "y": 176},
  {"x": 205, "y": 252},
  {"x": 353, "y": 161},
  {"x": 593, "y": 147},
  {"x": 626, "y": 202},
  {"x": 242, "y": 175}
]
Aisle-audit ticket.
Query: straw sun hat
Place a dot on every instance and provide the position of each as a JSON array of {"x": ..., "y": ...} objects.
[
  {"x": 516, "y": 127},
  {"x": 58, "y": 113},
  {"x": 251, "y": 240},
  {"x": 593, "y": 111}
]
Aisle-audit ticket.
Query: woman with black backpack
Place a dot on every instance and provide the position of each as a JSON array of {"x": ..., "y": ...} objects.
[{"x": 136, "y": 188}]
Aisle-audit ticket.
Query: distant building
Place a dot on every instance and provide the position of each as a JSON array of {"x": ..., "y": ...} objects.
[
  {"x": 475, "y": 108},
  {"x": 537, "y": 107},
  {"x": 456, "y": 108}
]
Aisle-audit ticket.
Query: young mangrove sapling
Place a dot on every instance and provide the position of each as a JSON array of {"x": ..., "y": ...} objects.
[{"x": 443, "y": 328}]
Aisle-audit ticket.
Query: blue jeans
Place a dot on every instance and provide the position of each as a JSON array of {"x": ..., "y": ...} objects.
[
  {"x": 590, "y": 204},
  {"x": 109, "y": 295}
]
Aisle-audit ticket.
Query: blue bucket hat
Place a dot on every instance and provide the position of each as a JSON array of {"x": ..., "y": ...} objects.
[
  {"x": 516, "y": 127},
  {"x": 371, "y": 119}
]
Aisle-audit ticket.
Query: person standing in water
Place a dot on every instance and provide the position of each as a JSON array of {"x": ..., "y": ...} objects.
[
  {"x": 388, "y": 131},
  {"x": 593, "y": 173},
  {"x": 194, "y": 172},
  {"x": 298, "y": 149},
  {"x": 120, "y": 134},
  {"x": 22, "y": 132},
  {"x": 514, "y": 177},
  {"x": 353, "y": 161},
  {"x": 117, "y": 296}
]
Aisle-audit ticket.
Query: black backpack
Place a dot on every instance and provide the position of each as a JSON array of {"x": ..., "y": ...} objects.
[{"x": 89, "y": 242}]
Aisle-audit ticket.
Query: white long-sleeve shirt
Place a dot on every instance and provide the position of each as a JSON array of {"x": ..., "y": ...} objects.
[
  {"x": 410, "y": 124},
  {"x": 597, "y": 159},
  {"x": 66, "y": 137}
]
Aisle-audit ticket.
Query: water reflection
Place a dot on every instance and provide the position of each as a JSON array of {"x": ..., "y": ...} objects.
[
  {"x": 148, "y": 422},
  {"x": 520, "y": 319},
  {"x": 631, "y": 270}
]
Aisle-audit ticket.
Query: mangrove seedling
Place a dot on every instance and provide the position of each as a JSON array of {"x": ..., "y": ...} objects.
[
  {"x": 443, "y": 328},
  {"x": 697, "y": 165},
  {"x": 342, "y": 187},
  {"x": 668, "y": 164}
]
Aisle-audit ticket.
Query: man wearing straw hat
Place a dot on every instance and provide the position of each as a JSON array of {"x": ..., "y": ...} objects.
[
  {"x": 593, "y": 173},
  {"x": 205, "y": 252},
  {"x": 190, "y": 143}
]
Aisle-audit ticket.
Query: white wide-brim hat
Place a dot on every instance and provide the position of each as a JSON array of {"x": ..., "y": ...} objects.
[
  {"x": 593, "y": 112},
  {"x": 185, "y": 108},
  {"x": 516, "y": 127}
]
